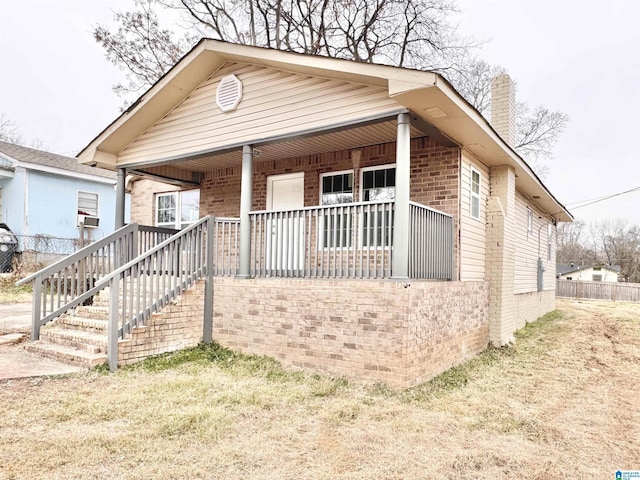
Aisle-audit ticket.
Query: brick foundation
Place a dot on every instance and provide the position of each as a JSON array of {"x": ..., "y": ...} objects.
[
  {"x": 531, "y": 306},
  {"x": 176, "y": 327},
  {"x": 384, "y": 331},
  {"x": 401, "y": 334}
]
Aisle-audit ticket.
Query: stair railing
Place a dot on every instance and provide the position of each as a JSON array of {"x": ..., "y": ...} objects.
[
  {"x": 71, "y": 281},
  {"x": 149, "y": 282}
]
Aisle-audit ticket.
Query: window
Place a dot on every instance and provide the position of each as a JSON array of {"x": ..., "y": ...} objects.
[
  {"x": 88, "y": 204},
  {"x": 378, "y": 185},
  {"x": 597, "y": 269},
  {"x": 549, "y": 241},
  {"x": 177, "y": 209},
  {"x": 475, "y": 194},
  {"x": 336, "y": 189},
  {"x": 596, "y": 278}
]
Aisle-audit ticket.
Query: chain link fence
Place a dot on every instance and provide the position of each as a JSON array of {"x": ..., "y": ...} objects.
[{"x": 34, "y": 252}]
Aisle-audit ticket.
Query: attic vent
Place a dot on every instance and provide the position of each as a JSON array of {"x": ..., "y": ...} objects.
[{"x": 229, "y": 93}]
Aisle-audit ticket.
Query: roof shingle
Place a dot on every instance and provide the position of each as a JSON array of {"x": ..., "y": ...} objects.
[{"x": 39, "y": 157}]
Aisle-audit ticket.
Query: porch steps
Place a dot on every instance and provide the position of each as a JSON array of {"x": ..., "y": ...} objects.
[{"x": 78, "y": 337}]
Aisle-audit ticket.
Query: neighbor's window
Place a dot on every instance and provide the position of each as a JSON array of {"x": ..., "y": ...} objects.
[
  {"x": 88, "y": 204},
  {"x": 177, "y": 209},
  {"x": 597, "y": 269},
  {"x": 475, "y": 194},
  {"x": 336, "y": 189},
  {"x": 378, "y": 184},
  {"x": 596, "y": 278}
]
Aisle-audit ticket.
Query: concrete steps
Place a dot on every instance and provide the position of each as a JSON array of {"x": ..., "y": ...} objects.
[{"x": 78, "y": 338}]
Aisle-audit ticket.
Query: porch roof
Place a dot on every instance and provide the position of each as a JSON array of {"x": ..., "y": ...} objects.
[{"x": 434, "y": 105}]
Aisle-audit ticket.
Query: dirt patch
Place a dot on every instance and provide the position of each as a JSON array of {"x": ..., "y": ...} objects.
[{"x": 564, "y": 399}]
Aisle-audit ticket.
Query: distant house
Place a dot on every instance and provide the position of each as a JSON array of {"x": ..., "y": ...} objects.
[
  {"x": 47, "y": 195},
  {"x": 588, "y": 273}
]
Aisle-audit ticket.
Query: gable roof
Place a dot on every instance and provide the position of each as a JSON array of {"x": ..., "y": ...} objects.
[
  {"x": 36, "y": 159},
  {"x": 426, "y": 95},
  {"x": 566, "y": 268}
]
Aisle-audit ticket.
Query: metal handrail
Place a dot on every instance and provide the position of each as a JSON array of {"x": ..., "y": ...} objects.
[
  {"x": 71, "y": 281},
  {"x": 154, "y": 278}
]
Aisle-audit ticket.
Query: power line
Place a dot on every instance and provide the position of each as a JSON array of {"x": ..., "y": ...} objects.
[{"x": 601, "y": 199}]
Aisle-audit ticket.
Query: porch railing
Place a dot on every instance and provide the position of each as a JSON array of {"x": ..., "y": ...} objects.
[
  {"x": 70, "y": 281},
  {"x": 340, "y": 241},
  {"x": 352, "y": 240},
  {"x": 149, "y": 282},
  {"x": 430, "y": 243},
  {"x": 226, "y": 242}
]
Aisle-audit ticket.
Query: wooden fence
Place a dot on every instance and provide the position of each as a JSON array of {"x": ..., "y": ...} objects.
[{"x": 621, "y": 292}]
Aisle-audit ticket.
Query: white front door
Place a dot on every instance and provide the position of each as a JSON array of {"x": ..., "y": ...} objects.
[{"x": 285, "y": 231}]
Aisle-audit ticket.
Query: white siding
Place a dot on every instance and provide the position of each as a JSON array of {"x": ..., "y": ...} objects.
[
  {"x": 472, "y": 231},
  {"x": 274, "y": 103},
  {"x": 587, "y": 274},
  {"x": 530, "y": 245}
]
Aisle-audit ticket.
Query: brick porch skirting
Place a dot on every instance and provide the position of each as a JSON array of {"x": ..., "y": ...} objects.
[{"x": 393, "y": 332}]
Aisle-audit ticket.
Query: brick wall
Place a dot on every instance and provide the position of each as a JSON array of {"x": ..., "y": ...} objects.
[
  {"x": 434, "y": 176},
  {"x": 500, "y": 254},
  {"x": 503, "y": 107},
  {"x": 379, "y": 330},
  {"x": 177, "y": 326},
  {"x": 448, "y": 324},
  {"x": 143, "y": 200},
  {"x": 531, "y": 306}
]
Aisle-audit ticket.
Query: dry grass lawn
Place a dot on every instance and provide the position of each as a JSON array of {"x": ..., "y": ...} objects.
[
  {"x": 9, "y": 293},
  {"x": 563, "y": 402}
]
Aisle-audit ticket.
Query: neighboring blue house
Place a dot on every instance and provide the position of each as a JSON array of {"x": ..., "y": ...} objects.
[{"x": 46, "y": 194}]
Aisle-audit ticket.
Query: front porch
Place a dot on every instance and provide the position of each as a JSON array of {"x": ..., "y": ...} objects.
[
  {"x": 352, "y": 240},
  {"x": 382, "y": 210}
]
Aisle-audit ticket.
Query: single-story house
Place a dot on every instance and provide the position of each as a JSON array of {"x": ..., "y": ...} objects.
[
  {"x": 47, "y": 195},
  {"x": 364, "y": 219},
  {"x": 587, "y": 273}
]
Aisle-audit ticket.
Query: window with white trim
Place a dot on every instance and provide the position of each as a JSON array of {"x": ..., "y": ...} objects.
[
  {"x": 378, "y": 184},
  {"x": 177, "y": 209},
  {"x": 88, "y": 203},
  {"x": 474, "y": 188},
  {"x": 336, "y": 188}
]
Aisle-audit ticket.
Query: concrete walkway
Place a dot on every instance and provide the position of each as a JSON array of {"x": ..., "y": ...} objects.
[{"x": 15, "y": 362}]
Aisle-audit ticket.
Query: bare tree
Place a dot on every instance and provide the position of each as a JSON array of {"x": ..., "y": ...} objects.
[
  {"x": 618, "y": 243},
  {"x": 571, "y": 244},
  {"x": 9, "y": 131},
  {"x": 408, "y": 33},
  {"x": 140, "y": 47},
  {"x": 537, "y": 130}
]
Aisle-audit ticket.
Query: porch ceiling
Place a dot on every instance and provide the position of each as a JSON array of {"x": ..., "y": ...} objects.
[{"x": 347, "y": 138}]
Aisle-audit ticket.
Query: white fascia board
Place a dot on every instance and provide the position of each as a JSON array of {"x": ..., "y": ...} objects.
[{"x": 66, "y": 173}]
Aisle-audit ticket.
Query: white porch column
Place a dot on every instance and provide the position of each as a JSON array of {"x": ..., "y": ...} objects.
[
  {"x": 120, "y": 198},
  {"x": 400, "y": 259},
  {"x": 246, "y": 198}
]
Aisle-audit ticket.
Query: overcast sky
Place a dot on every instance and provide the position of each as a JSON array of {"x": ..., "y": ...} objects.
[{"x": 580, "y": 57}]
